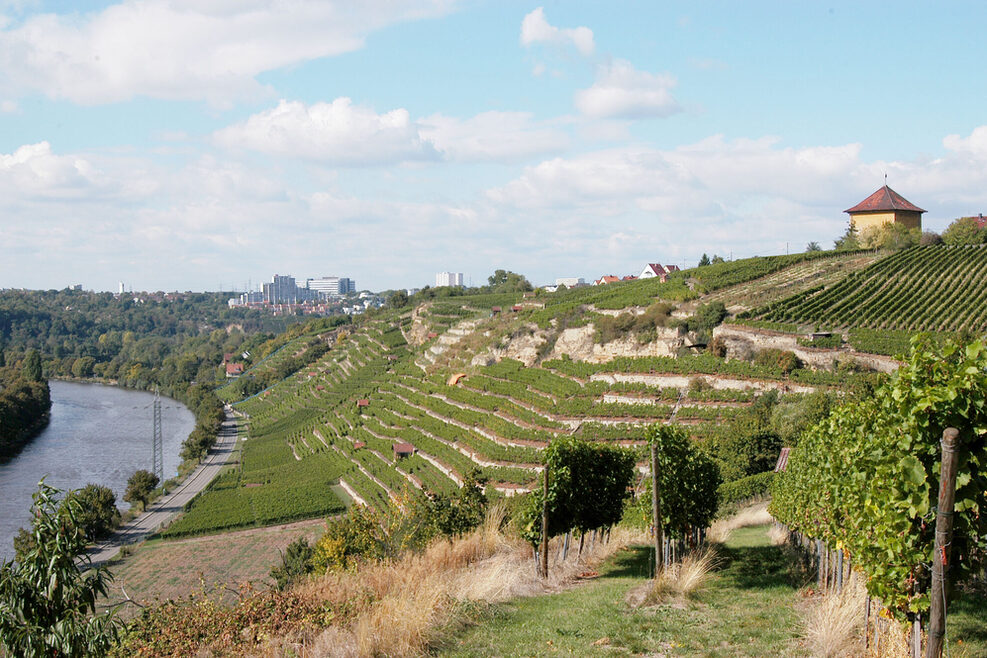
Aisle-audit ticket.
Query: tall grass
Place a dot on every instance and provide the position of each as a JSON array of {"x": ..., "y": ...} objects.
[{"x": 413, "y": 602}]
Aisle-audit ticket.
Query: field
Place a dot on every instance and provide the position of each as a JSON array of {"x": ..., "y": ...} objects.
[{"x": 165, "y": 570}]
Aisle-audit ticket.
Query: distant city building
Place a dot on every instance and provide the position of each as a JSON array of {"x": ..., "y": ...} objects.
[
  {"x": 570, "y": 282},
  {"x": 448, "y": 279},
  {"x": 77, "y": 286},
  {"x": 281, "y": 290},
  {"x": 331, "y": 286},
  {"x": 122, "y": 288}
]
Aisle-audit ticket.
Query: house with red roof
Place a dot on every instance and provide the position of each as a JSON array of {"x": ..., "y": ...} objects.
[
  {"x": 652, "y": 270},
  {"x": 884, "y": 206},
  {"x": 605, "y": 279}
]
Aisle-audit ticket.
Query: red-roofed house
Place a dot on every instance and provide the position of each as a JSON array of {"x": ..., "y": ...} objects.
[
  {"x": 605, "y": 279},
  {"x": 653, "y": 270},
  {"x": 362, "y": 402},
  {"x": 234, "y": 369},
  {"x": 885, "y": 207}
]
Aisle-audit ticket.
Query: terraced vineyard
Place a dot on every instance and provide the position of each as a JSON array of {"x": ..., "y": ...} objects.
[
  {"x": 933, "y": 288},
  {"x": 808, "y": 274},
  {"x": 310, "y": 444}
]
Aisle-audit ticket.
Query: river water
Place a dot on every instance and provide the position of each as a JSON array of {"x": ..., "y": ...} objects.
[{"x": 99, "y": 434}]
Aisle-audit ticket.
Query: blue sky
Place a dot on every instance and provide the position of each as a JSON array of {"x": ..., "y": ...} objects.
[{"x": 188, "y": 144}]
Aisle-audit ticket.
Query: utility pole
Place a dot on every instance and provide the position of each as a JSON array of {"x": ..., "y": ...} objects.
[{"x": 157, "y": 454}]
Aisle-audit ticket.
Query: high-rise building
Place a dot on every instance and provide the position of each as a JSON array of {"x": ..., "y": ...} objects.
[
  {"x": 281, "y": 290},
  {"x": 448, "y": 279},
  {"x": 331, "y": 286}
]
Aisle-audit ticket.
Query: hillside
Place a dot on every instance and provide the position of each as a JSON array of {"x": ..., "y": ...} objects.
[
  {"x": 932, "y": 288},
  {"x": 469, "y": 387},
  {"x": 533, "y": 371}
]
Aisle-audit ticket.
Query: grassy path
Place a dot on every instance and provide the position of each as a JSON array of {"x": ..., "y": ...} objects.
[{"x": 748, "y": 609}]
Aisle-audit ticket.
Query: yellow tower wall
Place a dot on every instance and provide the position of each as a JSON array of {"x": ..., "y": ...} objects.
[{"x": 863, "y": 221}]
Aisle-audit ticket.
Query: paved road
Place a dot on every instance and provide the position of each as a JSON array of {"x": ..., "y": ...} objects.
[{"x": 167, "y": 507}]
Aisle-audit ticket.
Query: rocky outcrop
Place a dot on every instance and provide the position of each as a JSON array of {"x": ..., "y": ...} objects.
[
  {"x": 579, "y": 345},
  {"x": 744, "y": 342}
]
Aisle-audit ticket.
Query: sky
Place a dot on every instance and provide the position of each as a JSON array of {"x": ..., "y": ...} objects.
[{"x": 209, "y": 144}]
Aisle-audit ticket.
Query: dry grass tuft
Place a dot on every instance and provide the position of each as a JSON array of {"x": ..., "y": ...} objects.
[
  {"x": 679, "y": 581},
  {"x": 778, "y": 535},
  {"x": 756, "y": 514},
  {"x": 833, "y": 625}
]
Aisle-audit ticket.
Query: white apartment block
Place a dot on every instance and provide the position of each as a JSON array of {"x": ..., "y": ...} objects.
[{"x": 448, "y": 279}]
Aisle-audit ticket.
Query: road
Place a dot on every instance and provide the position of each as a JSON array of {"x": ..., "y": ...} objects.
[{"x": 167, "y": 507}]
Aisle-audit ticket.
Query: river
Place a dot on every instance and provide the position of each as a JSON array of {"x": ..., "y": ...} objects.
[{"x": 99, "y": 434}]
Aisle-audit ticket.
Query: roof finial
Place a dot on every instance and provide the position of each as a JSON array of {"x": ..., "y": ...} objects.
[{"x": 885, "y": 179}]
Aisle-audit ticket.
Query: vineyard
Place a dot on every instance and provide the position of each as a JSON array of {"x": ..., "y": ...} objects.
[
  {"x": 931, "y": 288},
  {"x": 396, "y": 405},
  {"x": 866, "y": 481},
  {"x": 332, "y": 431}
]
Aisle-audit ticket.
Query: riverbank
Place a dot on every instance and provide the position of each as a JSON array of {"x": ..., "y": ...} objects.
[
  {"x": 96, "y": 435},
  {"x": 167, "y": 507},
  {"x": 25, "y": 411}
]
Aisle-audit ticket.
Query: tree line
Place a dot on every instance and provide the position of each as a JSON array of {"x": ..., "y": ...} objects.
[{"x": 25, "y": 403}]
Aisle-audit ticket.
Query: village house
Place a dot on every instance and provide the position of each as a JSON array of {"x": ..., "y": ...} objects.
[{"x": 652, "y": 270}]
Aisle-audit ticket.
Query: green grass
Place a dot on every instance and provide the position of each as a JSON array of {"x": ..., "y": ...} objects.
[
  {"x": 749, "y": 608},
  {"x": 966, "y": 625}
]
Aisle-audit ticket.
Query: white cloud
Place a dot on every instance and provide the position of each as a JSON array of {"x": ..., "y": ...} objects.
[
  {"x": 180, "y": 49},
  {"x": 493, "y": 136},
  {"x": 33, "y": 170},
  {"x": 8, "y": 107},
  {"x": 622, "y": 91},
  {"x": 335, "y": 133},
  {"x": 974, "y": 145},
  {"x": 343, "y": 134},
  {"x": 536, "y": 29}
]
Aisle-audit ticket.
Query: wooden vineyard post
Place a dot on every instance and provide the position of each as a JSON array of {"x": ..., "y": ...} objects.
[
  {"x": 656, "y": 512},
  {"x": 544, "y": 527},
  {"x": 944, "y": 539}
]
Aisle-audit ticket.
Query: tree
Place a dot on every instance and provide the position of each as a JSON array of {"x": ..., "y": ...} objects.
[
  {"x": 31, "y": 368},
  {"x": 139, "y": 487},
  {"x": 930, "y": 238},
  {"x": 717, "y": 259},
  {"x": 813, "y": 246},
  {"x": 849, "y": 241},
  {"x": 458, "y": 514},
  {"x": 296, "y": 561},
  {"x": 507, "y": 281},
  {"x": 704, "y": 261},
  {"x": 48, "y": 593},
  {"x": 83, "y": 366},
  {"x": 398, "y": 300},
  {"x": 98, "y": 514},
  {"x": 965, "y": 230}
]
